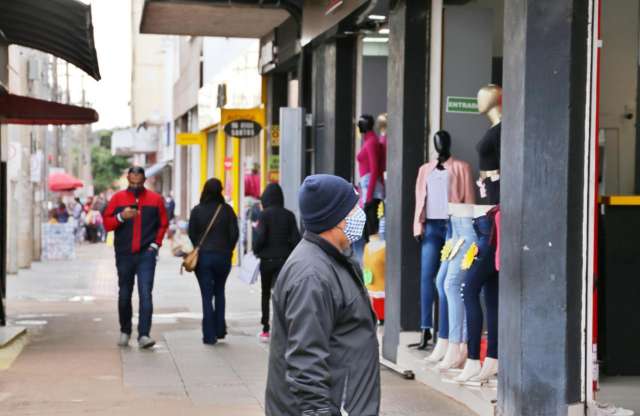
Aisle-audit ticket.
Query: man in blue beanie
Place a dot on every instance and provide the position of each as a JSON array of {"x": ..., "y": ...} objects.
[{"x": 324, "y": 350}]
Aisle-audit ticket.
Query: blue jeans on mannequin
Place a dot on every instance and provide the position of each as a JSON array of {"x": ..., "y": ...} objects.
[
  {"x": 143, "y": 265},
  {"x": 212, "y": 272},
  {"x": 434, "y": 237},
  {"x": 462, "y": 229},
  {"x": 482, "y": 276},
  {"x": 443, "y": 306}
]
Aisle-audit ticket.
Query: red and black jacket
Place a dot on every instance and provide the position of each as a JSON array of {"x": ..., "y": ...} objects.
[{"x": 139, "y": 233}]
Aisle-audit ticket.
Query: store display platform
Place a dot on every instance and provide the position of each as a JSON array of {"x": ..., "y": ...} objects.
[{"x": 479, "y": 399}]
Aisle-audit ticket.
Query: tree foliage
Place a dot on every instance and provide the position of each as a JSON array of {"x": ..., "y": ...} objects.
[{"x": 105, "y": 167}]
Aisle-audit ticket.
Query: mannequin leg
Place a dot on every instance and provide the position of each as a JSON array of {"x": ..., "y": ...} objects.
[
  {"x": 482, "y": 271},
  {"x": 432, "y": 242},
  {"x": 491, "y": 303},
  {"x": 463, "y": 228},
  {"x": 443, "y": 318}
]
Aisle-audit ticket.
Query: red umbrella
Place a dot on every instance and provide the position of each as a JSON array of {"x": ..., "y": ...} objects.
[{"x": 62, "y": 181}]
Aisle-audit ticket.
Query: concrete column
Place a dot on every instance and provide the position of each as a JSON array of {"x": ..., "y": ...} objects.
[
  {"x": 25, "y": 200},
  {"x": 407, "y": 109},
  {"x": 543, "y": 244},
  {"x": 334, "y": 71}
]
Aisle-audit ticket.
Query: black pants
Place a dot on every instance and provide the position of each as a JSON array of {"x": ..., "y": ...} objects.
[
  {"x": 373, "y": 223},
  {"x": 269, "y": 269}
]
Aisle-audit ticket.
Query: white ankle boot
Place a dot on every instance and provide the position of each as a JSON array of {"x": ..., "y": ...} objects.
[
  {"x": 472, "y": 368},
  {"x": 454, "y": 358},
  {"x": 489, "y": 370},
  {"x": 439, "y": 351}
]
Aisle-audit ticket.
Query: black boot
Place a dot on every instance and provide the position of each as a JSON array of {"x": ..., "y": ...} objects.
[{"x": 425, "y": 337}]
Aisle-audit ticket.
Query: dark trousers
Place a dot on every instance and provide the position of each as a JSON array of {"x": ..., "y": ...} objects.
[
  {"x": 129, "y": 266},
  {"x": 482, "y": 276},
  {"x": 212, "y": 272},
  {"x": 269, "y": 269},
  {"x": 373, "y": 222}
]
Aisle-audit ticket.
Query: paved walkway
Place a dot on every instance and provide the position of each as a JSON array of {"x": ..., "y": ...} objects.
[{"x": 72, "y": 366}]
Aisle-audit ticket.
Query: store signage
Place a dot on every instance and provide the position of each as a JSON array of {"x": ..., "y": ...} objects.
[
  {"x": 332, "y": 5},
  {"x": 228, "y": 163},
  {"x": 242, "y": 129},
  {"x": 189, "y": 139},
  {"x": 274, "y": 162},
  {"x": 275, "y": 135},
  {"x": 462, "y": 105}
]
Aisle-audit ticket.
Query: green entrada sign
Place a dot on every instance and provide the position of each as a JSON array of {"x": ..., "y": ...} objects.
[{"x": 465, "y": 105}]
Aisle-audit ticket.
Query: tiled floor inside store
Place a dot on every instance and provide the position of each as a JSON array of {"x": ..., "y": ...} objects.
[{"x": 621, "y": 391}]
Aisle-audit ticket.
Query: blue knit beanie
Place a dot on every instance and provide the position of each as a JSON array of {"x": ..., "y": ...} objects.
[{"x": 325, "y": 200}]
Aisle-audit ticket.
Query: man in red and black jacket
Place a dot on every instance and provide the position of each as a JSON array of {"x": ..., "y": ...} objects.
[{"x": 139, "y": 219}]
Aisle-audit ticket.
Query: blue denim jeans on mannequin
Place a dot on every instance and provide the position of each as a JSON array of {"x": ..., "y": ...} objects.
[
  {"x": 482, "y": 276},
  {"x": 433, "y": 238},
  {"x": 443, "y": 306},
  {"x": 212, "y": 272},
  {"x": 143, "y": 265},
  {"x": 462, "y": 229}
]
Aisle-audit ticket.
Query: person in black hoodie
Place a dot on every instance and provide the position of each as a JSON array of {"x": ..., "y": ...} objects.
[
  {"x": 214, "y": 259},
  {"x": 275, "y": 238}
]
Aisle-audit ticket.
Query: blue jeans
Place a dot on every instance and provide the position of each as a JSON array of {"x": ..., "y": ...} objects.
[
  {"x": 443, "y": 306},
  {"x": 462, "y": 229},
  {"x": 212, "y": 272},
  {"x": 434, "y": 237},
  {"x": 482, "y": 275},
  {"x": 143, "y": 265}
]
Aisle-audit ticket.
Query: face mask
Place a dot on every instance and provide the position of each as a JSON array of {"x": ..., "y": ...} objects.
[
  {"x": 135, "y": 190},
  {"x": 355, "y": 226}
]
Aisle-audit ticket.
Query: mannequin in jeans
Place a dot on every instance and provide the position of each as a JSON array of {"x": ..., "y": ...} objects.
[
  {"x": 439, "y": 182},
  {"x": 434, "y": 236},
  {"x": 482, "y": 275}
]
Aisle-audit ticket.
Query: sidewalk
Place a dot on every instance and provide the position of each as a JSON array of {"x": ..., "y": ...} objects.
[{"x": 72, "y": 366}]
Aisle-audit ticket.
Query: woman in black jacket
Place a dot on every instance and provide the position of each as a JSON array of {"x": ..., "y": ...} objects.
[
  {"x": 214, "y": 260},
  {"x": 275, "y": 238}
]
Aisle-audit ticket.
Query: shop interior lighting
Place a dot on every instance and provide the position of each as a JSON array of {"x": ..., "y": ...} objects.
[
  {"x": 384, "y": 31},
  {"x": 375, "y": 40},
  {"x": 378, "y": 17}
]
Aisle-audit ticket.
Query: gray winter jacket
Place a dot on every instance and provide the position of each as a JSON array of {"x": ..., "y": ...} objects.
[{"x": 324, "y": 349}]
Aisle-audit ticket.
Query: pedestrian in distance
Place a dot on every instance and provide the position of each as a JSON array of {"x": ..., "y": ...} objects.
[
  {"x": 62, "y": 214},
  {"x": 214, "y": 258},
  {"x": 323, "y": 358},
  {"x": 276, "y": 235},
  {"x": 138, "y": 217}
]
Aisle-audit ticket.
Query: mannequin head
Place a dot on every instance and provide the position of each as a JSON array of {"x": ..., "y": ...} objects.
[
  {"x": 382, "y": 123},
  {"x": 490, "y": 102},
  {"x": 365, "y": 123},
  {"x": 442, "y": 143}
]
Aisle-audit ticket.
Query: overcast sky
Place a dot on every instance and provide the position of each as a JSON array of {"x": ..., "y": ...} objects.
[{"x": 112, "y": 32}]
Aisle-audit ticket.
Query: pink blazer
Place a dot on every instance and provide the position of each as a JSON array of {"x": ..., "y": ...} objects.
[{"x": 461, "y": 188}]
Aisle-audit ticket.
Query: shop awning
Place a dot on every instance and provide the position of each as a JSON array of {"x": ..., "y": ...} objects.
[
  {"x": 60, "y": 27},
  {"x": 16, "y": 109},
  {"x": 155, "y": 169},
  {"x": 228, "y": 18}
]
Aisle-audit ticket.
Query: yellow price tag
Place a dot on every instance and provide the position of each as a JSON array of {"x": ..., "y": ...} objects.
[
  {"x": 469, "y": 257},
  {"x": 446, "y": 250}
]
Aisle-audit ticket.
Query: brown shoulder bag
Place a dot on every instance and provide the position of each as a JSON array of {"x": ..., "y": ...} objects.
[{"x": 190, "y": 261}]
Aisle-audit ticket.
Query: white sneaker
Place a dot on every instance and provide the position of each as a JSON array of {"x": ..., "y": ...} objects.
[
  {"x": 471, "y": 369},
  {"x": 124, "y": 340},
  {"x": 146, "y": 342}
]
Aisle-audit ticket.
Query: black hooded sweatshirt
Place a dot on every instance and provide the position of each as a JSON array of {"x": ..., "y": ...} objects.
[{"x": 277, "y": 232}]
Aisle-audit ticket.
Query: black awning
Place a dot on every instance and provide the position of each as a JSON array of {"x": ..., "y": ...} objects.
[
  {"x": 227, "y": 18},
  {"x": 60, "y": 27}
]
